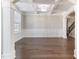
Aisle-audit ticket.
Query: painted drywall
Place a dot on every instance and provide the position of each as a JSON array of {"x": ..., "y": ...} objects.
[
  {"x": 43, "y": 22},
  {"x": 16, "y": 23},
  {"x": 43, "y": 26}
]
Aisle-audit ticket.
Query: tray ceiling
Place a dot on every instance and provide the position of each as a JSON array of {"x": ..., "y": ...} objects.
[{"x": 43, "y": 6}]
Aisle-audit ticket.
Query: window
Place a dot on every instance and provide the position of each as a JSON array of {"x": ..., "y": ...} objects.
[{"x": 17, "y": 22}]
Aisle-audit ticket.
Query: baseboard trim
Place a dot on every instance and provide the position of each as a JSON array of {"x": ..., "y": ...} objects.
[
  {"x": 7, "y": 56},
  {"x": 18, "y": 37},
  {"x": 46, "y": 37},
  {"x": 75, "y": 55}
]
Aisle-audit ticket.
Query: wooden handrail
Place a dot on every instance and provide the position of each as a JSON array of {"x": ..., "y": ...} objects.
[{"x": 69, "y": 30}]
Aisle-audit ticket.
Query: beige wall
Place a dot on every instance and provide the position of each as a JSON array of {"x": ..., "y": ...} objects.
[
  {"x": 43, "y": 22},
  {"x": 44, "y": 26}
]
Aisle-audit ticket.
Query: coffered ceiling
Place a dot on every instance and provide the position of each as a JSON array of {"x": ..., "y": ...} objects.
[{"x": 43, "y": 6}]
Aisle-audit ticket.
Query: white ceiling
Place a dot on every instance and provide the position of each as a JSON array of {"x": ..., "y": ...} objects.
[
  {"x": 63, "y": 7},
  {"x": 44, "y": 1},
  {"x": 30, "y": 6},
  {"x": 24, "y": 6}
]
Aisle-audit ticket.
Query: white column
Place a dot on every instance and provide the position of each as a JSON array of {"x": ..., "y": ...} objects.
[
  {"x": 8, "y": 49},
  {"x": 64, "y": 26}
]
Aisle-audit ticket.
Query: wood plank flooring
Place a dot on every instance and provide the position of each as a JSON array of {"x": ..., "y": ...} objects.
[{"x": 45, "y": 48}]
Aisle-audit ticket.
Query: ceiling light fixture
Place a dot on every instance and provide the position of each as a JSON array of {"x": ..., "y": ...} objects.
[{"x": 43, "y": 7}]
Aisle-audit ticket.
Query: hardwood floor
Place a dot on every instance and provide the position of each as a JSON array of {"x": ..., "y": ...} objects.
[{"x": 45, "y": 48}]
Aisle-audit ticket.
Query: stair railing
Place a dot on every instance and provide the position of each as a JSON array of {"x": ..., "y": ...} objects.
[{"x": 70, "y": 28}]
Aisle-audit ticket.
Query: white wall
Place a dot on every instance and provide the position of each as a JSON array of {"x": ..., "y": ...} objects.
[
  {"x": 16, "y": 24},
  {"x": 43, "y": 26}
]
